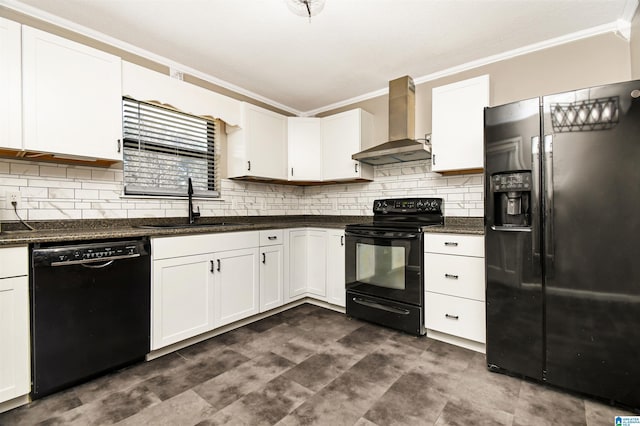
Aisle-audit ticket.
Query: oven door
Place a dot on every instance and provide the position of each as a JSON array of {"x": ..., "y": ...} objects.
[{"x": 386, "y": 264}]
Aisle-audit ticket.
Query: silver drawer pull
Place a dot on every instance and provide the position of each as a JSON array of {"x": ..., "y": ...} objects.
[
  {"x": 272, "y": 238},
  {"x": 455, "y": 317},
  {"x": 451, "y": 243},
  {"x": 453, "y": 277}
]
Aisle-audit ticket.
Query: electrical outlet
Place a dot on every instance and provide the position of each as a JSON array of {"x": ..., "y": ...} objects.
[{"x": 11, "y": 198}]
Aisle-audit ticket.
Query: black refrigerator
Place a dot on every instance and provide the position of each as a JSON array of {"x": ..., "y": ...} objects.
[{"x": 562, "y": 237}]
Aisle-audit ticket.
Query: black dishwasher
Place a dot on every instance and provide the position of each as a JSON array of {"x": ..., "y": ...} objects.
[{"x": 90, "y": 310}]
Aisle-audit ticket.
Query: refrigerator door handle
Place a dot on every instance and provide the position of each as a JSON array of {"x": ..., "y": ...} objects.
[
  {"x": 548, "y": 205},
  {"x": 535, "y": 199}
]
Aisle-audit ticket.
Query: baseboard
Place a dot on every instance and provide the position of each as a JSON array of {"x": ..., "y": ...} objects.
[
  {"x": 14, "y": 403},
  {"x": 457, "y": 341}
]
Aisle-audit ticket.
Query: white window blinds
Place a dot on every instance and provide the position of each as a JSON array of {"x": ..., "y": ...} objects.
[{"x": 163, "y": 148}]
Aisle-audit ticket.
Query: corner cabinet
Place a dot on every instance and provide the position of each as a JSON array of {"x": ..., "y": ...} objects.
[
  {"x": 305, "y": 149},
  {"x": 343, "y": 135},
  {"x": 259, "y": 147},
  {"x": 457, "y": 137},
  {"x": 10, "y": 85},
  {"x": 314, "y": 265},
  {"x": 455, "y": 287},
  {"x": 15, "y": 368},
  {"x": 71, "y": 97}
]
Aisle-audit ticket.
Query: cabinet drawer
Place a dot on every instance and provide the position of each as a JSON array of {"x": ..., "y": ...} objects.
[
  {"x": 465, "y": 245},
  {"x": 273, "y": 237},
  {"x": 456, "y": 316},
  {"x": 15, "y": 261},
  {"x": 461, "y": 276},
  {"x": 189, "y": 245}
]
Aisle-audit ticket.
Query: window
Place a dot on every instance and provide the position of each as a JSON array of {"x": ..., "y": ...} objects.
[{"x": 163, "y": 148}]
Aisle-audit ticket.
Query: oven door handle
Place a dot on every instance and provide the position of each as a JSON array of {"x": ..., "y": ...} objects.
[
  {"x": 375, "y": 305},
  {"x": 384, "y": 235}
]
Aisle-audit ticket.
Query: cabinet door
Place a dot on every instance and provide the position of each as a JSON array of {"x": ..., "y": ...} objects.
[
  {"x": 10, "y": 85},
  {"x": 297, "y": 263},
  {"x": 305, "y": 149},
  {"x": 343, "y": 135},
  {"x": 317, "y": 263},
  {"x": 71, "y": 97},
  {"x": 15, "y": 379},
  {"x": 259, "y": 147},
  {"x": 237, "y": 286},
  {"x": 271, "y": 277},
  {"x": 335, "y": 268},
  {"x": 458, "y": 124},
  {"x": 182, "y": 299}
]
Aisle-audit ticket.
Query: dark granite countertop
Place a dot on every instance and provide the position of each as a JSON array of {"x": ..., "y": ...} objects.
[
  {"x": 13, "y": 233},
  {"x": 459, "y": 225}
]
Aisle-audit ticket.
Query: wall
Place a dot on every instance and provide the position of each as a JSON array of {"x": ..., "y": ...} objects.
[
  {"x": 634, "y": 46},
  {"x": 57, "y": 191},
  {"x": 588, "y": 62}
]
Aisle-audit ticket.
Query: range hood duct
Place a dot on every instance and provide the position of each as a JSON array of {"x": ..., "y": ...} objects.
[{"x": 402, "y": 145}]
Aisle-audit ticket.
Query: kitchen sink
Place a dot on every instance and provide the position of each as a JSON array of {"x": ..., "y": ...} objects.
[{"x": 192, "y": 225}]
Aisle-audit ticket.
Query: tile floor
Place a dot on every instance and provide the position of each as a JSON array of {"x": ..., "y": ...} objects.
[{"x": 310, "y": 365}]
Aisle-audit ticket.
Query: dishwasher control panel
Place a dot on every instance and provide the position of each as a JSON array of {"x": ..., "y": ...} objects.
[{"x": 89, "y": 253}]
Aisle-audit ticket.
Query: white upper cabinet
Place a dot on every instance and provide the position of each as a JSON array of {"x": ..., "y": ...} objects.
[
  {"x": 259, "y": 147},
  {"x": 71, "y": 97},
  {"x": 305, "y": 149},
  {"x": 10, "y": 85},
  {"x": 343, "y": 135},
  {"x": 458, "y": 124}
]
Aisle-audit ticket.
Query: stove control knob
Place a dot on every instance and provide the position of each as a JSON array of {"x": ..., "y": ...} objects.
[
  {"x": 384, "y": 204},
  {"x": 378, "y": 205},
  {"x": 421, "y": 205}
]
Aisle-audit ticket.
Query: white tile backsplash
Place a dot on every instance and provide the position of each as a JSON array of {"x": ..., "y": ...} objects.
[{"x": 57, "y": 191}]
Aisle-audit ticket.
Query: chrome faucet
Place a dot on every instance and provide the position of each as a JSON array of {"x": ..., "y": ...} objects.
[{"x": 192, "y": 215}]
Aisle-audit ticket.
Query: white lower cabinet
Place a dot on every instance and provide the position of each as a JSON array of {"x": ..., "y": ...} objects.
[
  {"x": 15, "y": 362},
  {"x": 271, "y": 277},
  {"x": 336, "y": 291},
  {"x": 296, "y": 258},
  {"x": 316, "y": 262},
  {"x": 182, "y": 303},
  {"x": 201, "y": 282},
  {"x": 271, "y": 269},
  {"x": 455, "y": 285},
  {"x": 236, "y": 285}
]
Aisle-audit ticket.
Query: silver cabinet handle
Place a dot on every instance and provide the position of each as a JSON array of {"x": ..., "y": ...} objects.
[
  {"x": 356, "y": 167},
  {"x": 342, "y": 240},
  {"x": 451, "y": 244},
  {"x": 453, "y": 277},
  {"x": 211, "y": 266},
  {"x": 218, "y": 269},
  {"x": 292, "y": 172},
  {"x": 454, "y": 317},
  {"x": 264, "y": 258},
  {"x": 119, "y": 145},
  {"x": 433, "y": 159},
  {"x": 273, "y": 237},
  {"x": 248, "y": 165}
]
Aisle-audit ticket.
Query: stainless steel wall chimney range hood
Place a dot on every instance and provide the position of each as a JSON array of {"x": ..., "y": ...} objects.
[{"x": 402, "y": 145}]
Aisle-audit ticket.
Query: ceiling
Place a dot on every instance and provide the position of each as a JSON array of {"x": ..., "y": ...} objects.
[{"x": 352, "y": 48}]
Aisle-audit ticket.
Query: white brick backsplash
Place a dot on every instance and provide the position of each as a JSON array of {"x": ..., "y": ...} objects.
[
  {"x": 53, "y": 171},
  {"x": 74, "y": 192}
]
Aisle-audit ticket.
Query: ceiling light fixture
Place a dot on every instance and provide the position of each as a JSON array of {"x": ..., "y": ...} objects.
[{"x": 306, "y": 8}]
